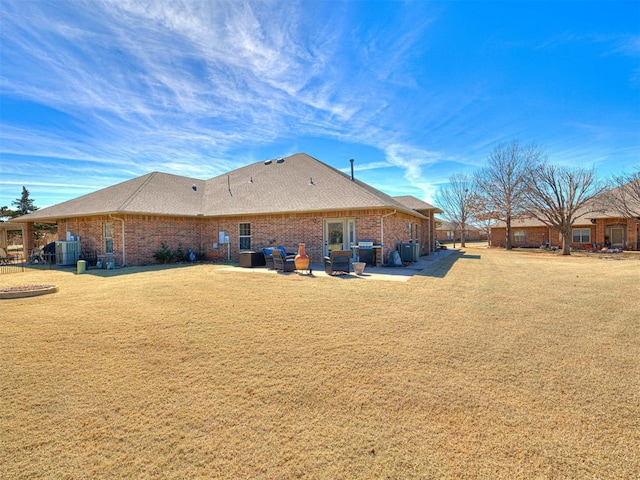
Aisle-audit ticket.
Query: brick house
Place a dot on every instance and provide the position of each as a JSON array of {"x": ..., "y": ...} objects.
[
  {"x": 447, "y": 232},
  {"x": 587, "y": 231},
  {"x": 286, "y": 201},
  {"x": 601, "y": 225}
]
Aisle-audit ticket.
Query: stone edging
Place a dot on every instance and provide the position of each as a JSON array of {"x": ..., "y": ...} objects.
[{"x": 23, "y": 292}]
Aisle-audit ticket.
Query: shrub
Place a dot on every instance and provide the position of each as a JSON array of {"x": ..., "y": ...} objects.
[
  {"x": 179, "y": 254},
  {"x": 164, "y": 255}
]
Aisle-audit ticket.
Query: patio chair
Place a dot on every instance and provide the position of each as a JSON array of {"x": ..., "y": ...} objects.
[
  {"x": 268, "y": 258},
  {"x": 338, "y": 261},
  {"x": 281, "y": 262}
]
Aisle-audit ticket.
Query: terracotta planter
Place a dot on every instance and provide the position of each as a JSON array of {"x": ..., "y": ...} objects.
[
  {"x": 302, "y": 259},
  {"x": 358, "y": 267}
]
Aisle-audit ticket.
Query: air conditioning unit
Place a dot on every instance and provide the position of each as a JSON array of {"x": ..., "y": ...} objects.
[
  {"x": 410, "y": 252},
  {"x": 67, "y": 253}
]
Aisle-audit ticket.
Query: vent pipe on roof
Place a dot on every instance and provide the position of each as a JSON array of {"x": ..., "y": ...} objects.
[{"x": 351, "y": 169}]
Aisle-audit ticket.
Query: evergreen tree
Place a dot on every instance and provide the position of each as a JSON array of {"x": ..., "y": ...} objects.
[
  {"x": 6, "y": 214},
  {"x": 24, "y": 204}
]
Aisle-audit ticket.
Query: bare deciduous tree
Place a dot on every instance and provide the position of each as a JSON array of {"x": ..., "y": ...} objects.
[
  {"x": 456, "y": 200},
  {"x": 483, "y": 217},
  {"x": 557, "y": 196},
  {"x": 503, "y": 181},
  {"x": 625, "y": 196}
]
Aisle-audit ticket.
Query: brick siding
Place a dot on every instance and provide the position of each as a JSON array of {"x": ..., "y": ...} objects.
[
  {"x": 536, "y": 236},
  {"x": 144, "y": 234}
]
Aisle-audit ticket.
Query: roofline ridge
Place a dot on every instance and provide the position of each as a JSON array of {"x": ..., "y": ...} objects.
[
  {"x": 369, "y": 189},
  {"x": 129, "y": 199}
]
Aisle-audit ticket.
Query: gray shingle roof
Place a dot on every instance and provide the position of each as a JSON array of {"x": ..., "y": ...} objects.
[
  {"x": 416, "y": 204},
  {"x": 598, "y": 207},
  {"x": 534, "y": 222},
  {"x": 153, "y": 193},
  {"x": 298, "y": 183}
]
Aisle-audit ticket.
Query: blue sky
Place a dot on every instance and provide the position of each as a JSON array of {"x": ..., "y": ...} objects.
[{"x": 97, "y": 92}]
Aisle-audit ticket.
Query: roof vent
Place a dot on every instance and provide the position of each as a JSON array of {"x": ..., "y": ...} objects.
[
  {"x": 280, "y": 160},
  {"x": 267, "y": 162},
  {"x": 311, "y": 181},
  {"x": 194, "y": 187}
]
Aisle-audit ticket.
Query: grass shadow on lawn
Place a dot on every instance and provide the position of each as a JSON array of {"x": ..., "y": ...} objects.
[
  {"x": 103, "y": 272},
  {"x": 440, "y": 268}
]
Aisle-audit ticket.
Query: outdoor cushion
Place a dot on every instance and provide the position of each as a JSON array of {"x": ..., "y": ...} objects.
[
  {"x": 338, "y": 261},
  {"x": 282, "y": 262},
  {"x": 268, "y": 258}
]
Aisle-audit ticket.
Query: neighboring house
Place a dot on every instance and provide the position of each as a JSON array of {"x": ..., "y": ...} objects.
[
  {"x": 593, "y": 230},
  {"x": 447, "y": 232},
  {"x": 599, "y": 226},
  {"x": 286, "y": 201}
]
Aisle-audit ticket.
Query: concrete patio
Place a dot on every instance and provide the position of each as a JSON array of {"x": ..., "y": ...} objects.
[{"x": 434, "y": 265}]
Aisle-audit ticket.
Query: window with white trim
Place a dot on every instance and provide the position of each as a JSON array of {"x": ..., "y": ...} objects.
[
  {"x": 581, "y": 235},
  {"x": 244, "y": 235},
  {"x": 107, "y": 237},
  {"x": 519, "y": 236}
]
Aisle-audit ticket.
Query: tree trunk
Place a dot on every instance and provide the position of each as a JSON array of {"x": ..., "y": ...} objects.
[
  {"x": 508, "y": 232},
  {"x": 566, "y": 243}
]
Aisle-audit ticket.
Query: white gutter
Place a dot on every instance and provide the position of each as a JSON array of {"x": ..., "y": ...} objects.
[
  {"x": 382, "y": 217},
  {"x": 124, "y": 250}
]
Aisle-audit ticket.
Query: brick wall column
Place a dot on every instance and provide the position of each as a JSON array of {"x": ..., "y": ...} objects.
[{"x": 28, "y": 239}]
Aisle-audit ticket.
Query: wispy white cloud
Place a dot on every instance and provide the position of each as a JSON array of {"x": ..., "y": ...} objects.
[
  {"x": 412, "y": 161},
  {"x": 182, "y": 86},
  {"x": 169, "y": 84}
]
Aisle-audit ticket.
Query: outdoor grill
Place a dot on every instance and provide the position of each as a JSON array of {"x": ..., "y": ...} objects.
[{"x": 366, "y": 253}]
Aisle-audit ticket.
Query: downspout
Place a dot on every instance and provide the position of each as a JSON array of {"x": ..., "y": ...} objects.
[
  {"x": 124, "y": 250},
  {"x": 382, "y": 217}
]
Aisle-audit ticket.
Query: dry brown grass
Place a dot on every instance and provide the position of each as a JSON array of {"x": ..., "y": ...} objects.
[{"x": 513, "y": 365}]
